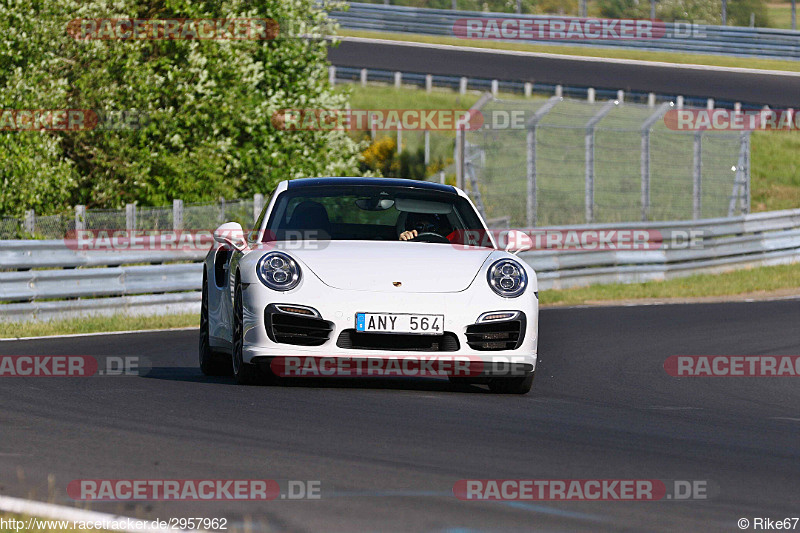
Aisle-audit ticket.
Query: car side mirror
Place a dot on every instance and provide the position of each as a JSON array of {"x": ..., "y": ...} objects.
[
  {"x": 231, "y": 234},
  {"x": 518, "y": 241}
]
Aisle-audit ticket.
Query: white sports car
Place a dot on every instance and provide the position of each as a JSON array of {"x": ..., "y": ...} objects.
[{"x": 360, "y": 268}]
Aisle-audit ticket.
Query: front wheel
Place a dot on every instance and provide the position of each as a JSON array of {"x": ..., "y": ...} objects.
[
  {"x": 245, "y": 373},
  {"x": 517, "y": 385}
]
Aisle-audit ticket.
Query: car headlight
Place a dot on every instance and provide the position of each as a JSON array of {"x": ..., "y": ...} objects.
[
  {"x": 507, "y": 278},
  {"x": 278, "y": 271}
]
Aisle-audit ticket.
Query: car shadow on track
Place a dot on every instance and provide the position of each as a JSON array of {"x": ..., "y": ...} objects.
[{"x": 193, "y": 375}]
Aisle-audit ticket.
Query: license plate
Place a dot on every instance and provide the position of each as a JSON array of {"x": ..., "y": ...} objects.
[{"x": 400, "y": 323}]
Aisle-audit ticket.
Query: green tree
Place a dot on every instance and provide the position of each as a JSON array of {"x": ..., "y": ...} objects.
[{"x": 209, "y": 103}]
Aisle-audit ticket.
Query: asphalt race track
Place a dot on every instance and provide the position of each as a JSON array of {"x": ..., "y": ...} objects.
[
  {"x": 387, "y": 452},
  {"x": 777, "y": 91}
]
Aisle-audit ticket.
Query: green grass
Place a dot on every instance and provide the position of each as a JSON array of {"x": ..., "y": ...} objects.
[
  {"x": 95, "y": 324},
  {"x": 641, "y": 55},
  {"x": 775, "y": 170},
  {"x": 780, "y": 15},
  {"x": 753, "y": 282}
]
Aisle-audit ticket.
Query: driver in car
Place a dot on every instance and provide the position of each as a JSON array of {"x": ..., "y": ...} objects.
[{"x": 418, "y": 223}]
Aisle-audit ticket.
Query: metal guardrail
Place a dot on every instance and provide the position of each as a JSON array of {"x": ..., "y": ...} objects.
[
  {"x": 695, "y": 38},
  {"x": 27, "y": 293}
]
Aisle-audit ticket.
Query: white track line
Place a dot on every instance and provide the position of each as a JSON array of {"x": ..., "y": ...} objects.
[
  {"x": 543, "y": 55},
  {"x": 60, "y": 512},
  {"x": 95, "y": 334}
]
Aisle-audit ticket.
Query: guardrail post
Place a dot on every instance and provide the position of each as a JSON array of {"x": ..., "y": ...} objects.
[
  {"x": 130, "y": 217},
  {"x": 441, "y": 177},
  {"x": 30, "y": 221},
  {"x": 559, "y": 91},
  {"x": 532, "y": 203},
  {"x": 427, "y": 138},
  {"x": 258, "y": 206},
  {"x": 679, "y": 102},
  {"x": 590, "y": 95},
  {"x": 363, "y": 77},
  {"x": 651, "y": 99},
  {"x": 373, "y": 130},
  {"x": 222, "y": 209},
  {"x": 428, "y": 82},
  {"x": 177, "y": 214},
  {"x": 495, "y": 87},
  {"x": 710, "y": 104},
  {"x": 645, "y": 160},
  {"x": 80, "y": 217},
  {"x": 589, "y": 144},
  {"x": 697, "y": 176},
  {"x": 398, "y": 80},
  {"x": 528, "y": 89},
  {"x": 620, "y": 96},
  {"x": 332, "y": 75},
  {"x": 462, "y": 85}
]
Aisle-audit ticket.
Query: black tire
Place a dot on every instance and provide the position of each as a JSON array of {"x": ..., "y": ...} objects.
[
  {"x": 211, "y": 363},
  {"x": 518, "y": 385},
  {"x": 245, "y": 373}
]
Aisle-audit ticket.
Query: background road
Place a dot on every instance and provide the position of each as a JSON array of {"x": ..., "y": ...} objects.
[
  {"x": 747, "y": 87},
  {"x": 388, "y": 452}
]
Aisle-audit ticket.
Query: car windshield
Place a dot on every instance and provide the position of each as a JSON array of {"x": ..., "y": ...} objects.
[{"x": 370, "y": 213}]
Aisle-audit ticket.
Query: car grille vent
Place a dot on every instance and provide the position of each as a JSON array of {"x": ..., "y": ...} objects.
[
  {"x": 351, "y": 339},
  {"x": 298, "y": 330},
  {"x": 495, "y": 335}
]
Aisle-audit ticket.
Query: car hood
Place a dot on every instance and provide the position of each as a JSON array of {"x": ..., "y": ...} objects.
[{"x": 378, "y": 265}]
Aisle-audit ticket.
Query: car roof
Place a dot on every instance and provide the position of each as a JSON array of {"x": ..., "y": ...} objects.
[{"x": 380, "y": 182}]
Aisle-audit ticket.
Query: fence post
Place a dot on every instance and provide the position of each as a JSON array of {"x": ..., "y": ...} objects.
[
  {"x": 645, "y": 161},
  {"x": 80, "y": 217},
  {"x": 30, "y": 221},
  {"x": 589, "y": 145},
  {"x": 459, "y": 157},
  {"x": 441, "y": 177},
  {"x": 532, "y": 203},
  {"x": 130, "y": 217},
  {"x": 222, "y": 209},
  {"x": 697, "y": 176},
  {"x": 399, "y": 139},
  {"x": 427, "y": 137},
  {"x": 258, "y": 205},
  {"x": 177, "y": 215}
]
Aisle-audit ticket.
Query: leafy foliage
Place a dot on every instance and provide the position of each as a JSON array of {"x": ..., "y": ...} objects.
[{"x": 209, "y": 103}]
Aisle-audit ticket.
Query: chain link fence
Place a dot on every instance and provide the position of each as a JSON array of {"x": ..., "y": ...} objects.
[
  {"x": 562, "y": 161},
  {"x": 196, "y": 216}
]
